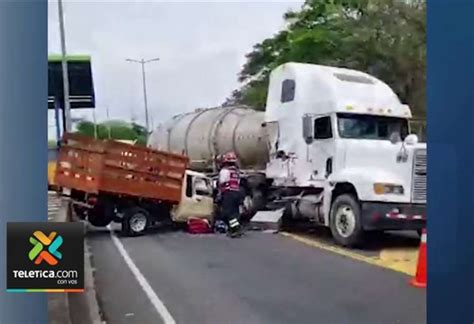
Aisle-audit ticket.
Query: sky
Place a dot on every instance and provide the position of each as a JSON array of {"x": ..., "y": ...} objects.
[{"x": 201, "y": 47}]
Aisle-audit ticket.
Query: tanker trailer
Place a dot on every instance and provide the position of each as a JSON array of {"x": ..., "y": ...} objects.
[{"x": 205, "y": 133}]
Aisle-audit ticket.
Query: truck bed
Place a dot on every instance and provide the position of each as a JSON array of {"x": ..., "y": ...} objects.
[{"x": 95, "y": 166}]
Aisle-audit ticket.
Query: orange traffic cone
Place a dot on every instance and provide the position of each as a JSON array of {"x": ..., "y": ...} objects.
[{"x": 419, "y": 280}]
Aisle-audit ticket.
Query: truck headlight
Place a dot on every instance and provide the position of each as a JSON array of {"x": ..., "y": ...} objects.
[{"x": 388, "y": 188}]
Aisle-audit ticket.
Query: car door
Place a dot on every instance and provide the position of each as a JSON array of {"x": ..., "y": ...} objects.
[
  {"x": 203, "y": 203},
  {"x": 196, "y": 200}
]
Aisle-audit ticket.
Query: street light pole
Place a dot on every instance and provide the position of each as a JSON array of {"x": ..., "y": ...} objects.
[
  {"x": 67, "y": 103},
  {"x": 144, "y": 96},
  {"x": 108, "y": 121},
  {"x": 143, "y": 62},
  {"x": 95, "y": 124}
]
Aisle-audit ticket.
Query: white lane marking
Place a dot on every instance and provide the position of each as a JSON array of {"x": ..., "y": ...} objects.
[{"x": 152, "y": 296}]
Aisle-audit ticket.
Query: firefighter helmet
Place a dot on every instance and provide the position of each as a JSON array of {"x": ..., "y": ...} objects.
[{"x": 229, "y": 157}]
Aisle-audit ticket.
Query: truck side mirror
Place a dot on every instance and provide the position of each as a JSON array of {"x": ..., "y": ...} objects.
[
  {"x": 308, "y": 129},
  {"x": 411, "y": 139}
]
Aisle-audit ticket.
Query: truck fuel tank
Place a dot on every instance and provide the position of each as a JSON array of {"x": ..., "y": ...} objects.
[{"x": 206, "y": 133}]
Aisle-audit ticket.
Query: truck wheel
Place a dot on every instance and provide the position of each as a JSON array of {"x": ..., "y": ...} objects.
[
  {"x": 287, "y": 217},
  {"x": 345, "y": 221},
  {"x": 258, "y": 200},
  {"x": 252, "y": 203},
  {"x": 419, "y": 232},
  {"x": 98, "y": 217},
  {"x": 255, "y": 201},
  {"x": 135, "y": 221},
  {"x": 98, "y": 221},
  {"x": 80, "y": 212}
]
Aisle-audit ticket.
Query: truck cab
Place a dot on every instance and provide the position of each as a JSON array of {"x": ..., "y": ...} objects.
[
  {"x": 196, "y": 198},
  {"x": 340, "y": 143}
]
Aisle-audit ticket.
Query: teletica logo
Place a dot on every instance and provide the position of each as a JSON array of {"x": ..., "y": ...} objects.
[{"x": 45, "y": 248}]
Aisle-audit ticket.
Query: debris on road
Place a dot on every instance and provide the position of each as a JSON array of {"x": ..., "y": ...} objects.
[
  {"x": 267, "y": 220},
  {"x": 199, "y": 226}
]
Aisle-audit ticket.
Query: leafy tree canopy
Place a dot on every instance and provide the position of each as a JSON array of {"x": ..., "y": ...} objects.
[{"x": 386, "y": 38}]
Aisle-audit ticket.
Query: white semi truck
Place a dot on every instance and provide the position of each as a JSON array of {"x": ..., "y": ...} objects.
[{"x": 332, "y": 147}]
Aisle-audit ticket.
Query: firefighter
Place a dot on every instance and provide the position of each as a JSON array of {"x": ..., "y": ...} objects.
[
  {"x": 229, "y": 191},
  {"x": 219, "y": 224}
]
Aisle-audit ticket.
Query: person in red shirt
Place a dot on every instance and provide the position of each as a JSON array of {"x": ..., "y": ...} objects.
[{"x": 229, "y": 190}]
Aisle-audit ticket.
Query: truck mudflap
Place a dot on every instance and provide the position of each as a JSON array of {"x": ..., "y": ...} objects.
[{"x": 392, "y": 216}]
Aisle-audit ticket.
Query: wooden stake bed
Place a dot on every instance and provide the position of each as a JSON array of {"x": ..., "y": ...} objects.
[{"x": 94, "y": 166}]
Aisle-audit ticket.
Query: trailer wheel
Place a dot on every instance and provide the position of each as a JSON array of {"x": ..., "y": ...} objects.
[
  {"x": 345, "y": 221},
  {"x": 287, "y": 217},
  {"x": 258, "y": 200},
  {"x": 135, "y": 221},
  {"x": 254, "y": 202}
]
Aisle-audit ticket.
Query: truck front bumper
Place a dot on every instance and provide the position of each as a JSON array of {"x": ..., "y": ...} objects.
[{"x": 393, "y": 216}]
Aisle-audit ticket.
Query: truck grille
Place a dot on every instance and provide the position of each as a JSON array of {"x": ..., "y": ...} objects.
[{"x": 419, "y": 177}]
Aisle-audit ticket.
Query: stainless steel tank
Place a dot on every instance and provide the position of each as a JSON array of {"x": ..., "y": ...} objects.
[{"x": 205, "y": 133}]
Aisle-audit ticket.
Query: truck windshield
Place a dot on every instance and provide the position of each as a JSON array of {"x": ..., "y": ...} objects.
[{"x": 371, "y": 127}]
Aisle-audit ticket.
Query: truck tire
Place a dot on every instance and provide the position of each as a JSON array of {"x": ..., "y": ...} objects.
[
  {"x": 98, "y": 217},
  {"x": 79, "y": 212},
  {"x": 346, "y": 221},
  {"x": 98, "y": 221},
  {"x": 287, "y": 217},
  {"x": 135, "y": 221},
  {"x": 258, "y": 200},
  {"x": 253, "y": 202}
]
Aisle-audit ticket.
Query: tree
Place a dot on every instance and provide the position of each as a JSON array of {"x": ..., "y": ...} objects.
[
  {"x": 118, "y": 130},
  {"x": 142, "y": 133},
  {"x": 386, "y": 38}
]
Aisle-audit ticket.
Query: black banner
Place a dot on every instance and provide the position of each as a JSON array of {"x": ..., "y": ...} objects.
[
  {"x": 81, "y": 86},
  {"x": 45, "y": 256}
]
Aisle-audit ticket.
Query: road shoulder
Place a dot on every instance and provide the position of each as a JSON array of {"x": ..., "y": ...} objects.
[
  {"x": 72, "y": 308},
  {"x": 84, "y": 308},
  {"x": 399, "y": 259}
]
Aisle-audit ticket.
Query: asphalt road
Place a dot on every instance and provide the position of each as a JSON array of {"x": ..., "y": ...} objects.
[{"x": 260, "y": 278}]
